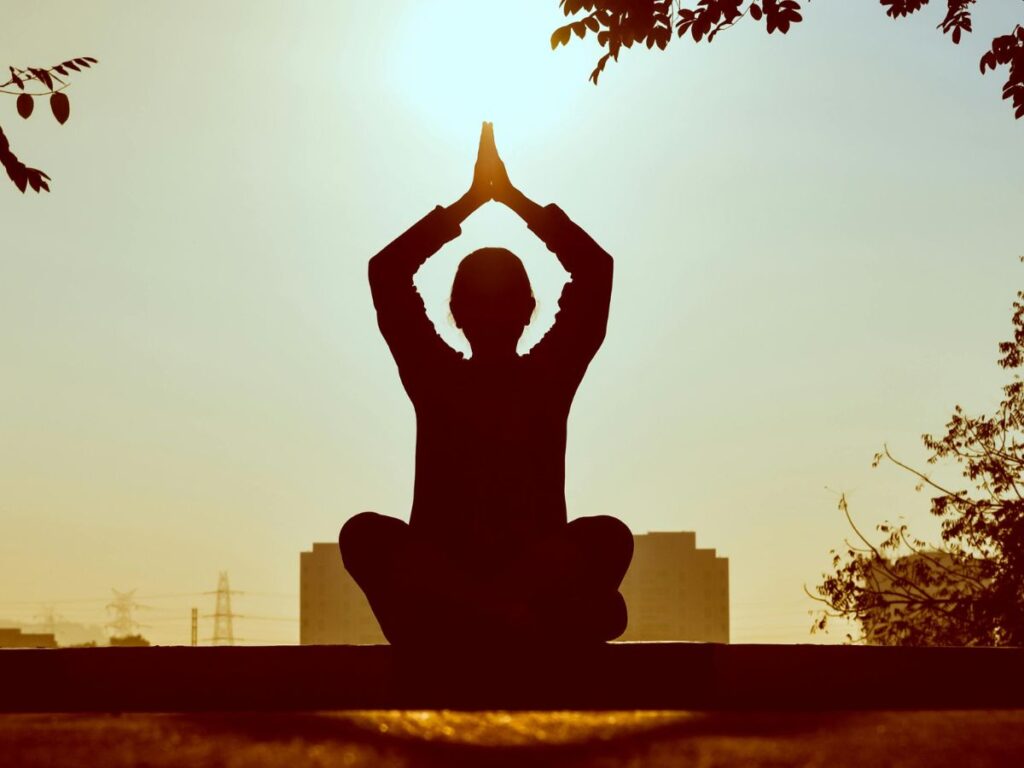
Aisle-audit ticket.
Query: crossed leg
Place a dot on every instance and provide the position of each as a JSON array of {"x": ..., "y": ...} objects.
[
  {"x": 563, "y": 588},
  {"x": 572, "y": 580},
  {"x": 412, "y": 587}
]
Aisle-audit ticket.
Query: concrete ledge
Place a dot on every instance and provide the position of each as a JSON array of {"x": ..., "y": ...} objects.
[{"x": 617, "y": 676}]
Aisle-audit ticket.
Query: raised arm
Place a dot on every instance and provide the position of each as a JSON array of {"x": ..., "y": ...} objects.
[
  {"x": 582, "y": 316},
  {"x": 400, "y": 311}
]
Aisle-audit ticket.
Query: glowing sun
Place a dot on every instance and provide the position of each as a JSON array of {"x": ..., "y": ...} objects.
[{"x": 460, "y": 62}]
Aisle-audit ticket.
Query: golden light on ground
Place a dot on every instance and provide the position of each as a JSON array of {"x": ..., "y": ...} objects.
[
  {"x": 452, "y": 739},
  {"x": 514, "y": 729}
]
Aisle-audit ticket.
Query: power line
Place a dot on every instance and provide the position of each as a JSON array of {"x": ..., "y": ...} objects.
[
  {"x": 55, "y": 601},
  {"x": 166, "y": 596}
]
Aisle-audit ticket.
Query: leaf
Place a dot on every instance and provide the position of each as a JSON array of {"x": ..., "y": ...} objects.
[
  {"x": 17, "y": 80},
  {"x": 71, "y": 65},
  {"x": 43, "y": 76},
  {"x": 19, "y": 175},
  {"x": 571, "y": 7},
  {"x": 599, "y": 68},
  {"x": 560, "y": 36},
  {"x": 35, "y": 179},
  {"x": 60, "y": 106},
  {"x": 25, "y": 105},
  {"x": 83, "y": 62}
]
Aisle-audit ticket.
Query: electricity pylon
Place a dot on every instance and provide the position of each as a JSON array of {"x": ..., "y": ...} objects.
[
  {"x": 223, "y": 629},
  {"x": 48, "y": 619},
  {"x": 123, "y": 624}
]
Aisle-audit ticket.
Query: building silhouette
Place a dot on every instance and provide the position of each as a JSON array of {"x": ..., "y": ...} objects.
[
  {"x": 673, "y": 591},
  {"x": 15, "y": 638},
  {"x": 66, "y": 633},
  {"x": 332, "y": 607},
  {"x": 903, "y": 585},
  {"x": 129, "y": 641}
]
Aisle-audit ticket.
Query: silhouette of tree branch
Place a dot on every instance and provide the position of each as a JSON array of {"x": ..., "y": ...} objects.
[
  {"x": 22, "y": 176},
  {"x": 52, "y": 79},
  {"x": 968, "y": 589},
  {"x": 64, "y": 86},
  {"x": 881, "y": 562},
  {"x": 917, "y": 473},
  {"x": 620, "y": 24},
  {"x": 920, "y": 552}
]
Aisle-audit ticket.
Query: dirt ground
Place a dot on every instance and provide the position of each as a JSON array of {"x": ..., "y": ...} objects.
[{"x": 396, "y": 739}]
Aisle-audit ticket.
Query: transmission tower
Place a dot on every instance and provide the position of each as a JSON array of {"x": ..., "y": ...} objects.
[
  {"x": 48, "y": 619},
  {"x": 123, "y": 623},
  {"x": 223, "y": 629}
]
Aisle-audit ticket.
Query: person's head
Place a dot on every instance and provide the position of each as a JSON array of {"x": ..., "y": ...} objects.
[{"x": 492, "y": 301}]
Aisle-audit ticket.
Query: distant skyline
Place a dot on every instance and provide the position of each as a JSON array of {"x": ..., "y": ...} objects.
[{"x": 816, "y": 240}]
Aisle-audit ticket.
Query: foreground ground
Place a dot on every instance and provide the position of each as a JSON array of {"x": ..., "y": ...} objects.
[{"x": 395, "y": 739}]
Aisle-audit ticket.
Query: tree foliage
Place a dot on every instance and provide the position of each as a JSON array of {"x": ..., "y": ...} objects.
[
  {"x": 969, "y": 588},
  {"x": 29, "y": 84},
  {"x": 622, "y": 24}
]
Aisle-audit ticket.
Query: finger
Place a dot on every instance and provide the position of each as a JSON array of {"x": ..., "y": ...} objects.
[
  {"x": 490, "y": 138},
  {"x": 483, "y": 140}
]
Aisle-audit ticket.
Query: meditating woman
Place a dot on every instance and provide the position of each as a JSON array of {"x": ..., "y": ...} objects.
[{"x": 488, "y": 553}]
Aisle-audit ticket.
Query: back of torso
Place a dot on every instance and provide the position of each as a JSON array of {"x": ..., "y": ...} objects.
[{"x": 490, "y": 457}]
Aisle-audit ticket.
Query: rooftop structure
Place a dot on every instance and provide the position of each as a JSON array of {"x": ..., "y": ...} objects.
[{"x": 16, "y": 638}]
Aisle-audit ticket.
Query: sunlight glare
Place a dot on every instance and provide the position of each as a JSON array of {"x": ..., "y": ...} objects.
[{"x": 464, "y": 61}]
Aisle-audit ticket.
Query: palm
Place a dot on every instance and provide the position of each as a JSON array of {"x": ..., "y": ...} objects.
[{"x": 490, "y": 179}]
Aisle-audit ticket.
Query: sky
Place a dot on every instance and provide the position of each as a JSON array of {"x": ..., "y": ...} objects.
[{"x": 816, "y": 242}]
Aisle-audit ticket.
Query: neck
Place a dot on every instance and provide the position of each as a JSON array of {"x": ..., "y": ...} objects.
[{"x": 495, "y": 353}]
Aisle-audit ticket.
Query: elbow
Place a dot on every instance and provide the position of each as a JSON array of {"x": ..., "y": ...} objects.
[
  {"x": 376, "y": 270},
  {"x": 599, "y": 261},
  {"x": 595, "y": 267},
  {"x": 604, "y": 267}
]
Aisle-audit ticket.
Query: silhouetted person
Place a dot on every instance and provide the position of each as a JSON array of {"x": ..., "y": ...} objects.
[{"x": 488, "y": 553}]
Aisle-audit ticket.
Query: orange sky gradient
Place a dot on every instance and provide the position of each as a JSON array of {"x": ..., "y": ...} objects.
[{"x": 816, "y": 242}]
